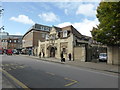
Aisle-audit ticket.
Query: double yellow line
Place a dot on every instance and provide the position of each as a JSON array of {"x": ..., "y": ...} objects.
[{"x": 15, "y": 80}]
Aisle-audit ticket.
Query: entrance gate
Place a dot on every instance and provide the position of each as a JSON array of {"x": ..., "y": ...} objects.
[{"x": 52, "y": 52}]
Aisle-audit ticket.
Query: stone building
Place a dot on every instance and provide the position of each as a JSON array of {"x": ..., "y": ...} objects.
[
  {"x": 32, "y": 36},
  {"x": 66, "y": 40}
]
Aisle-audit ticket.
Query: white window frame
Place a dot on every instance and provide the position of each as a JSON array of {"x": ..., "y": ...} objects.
[
  {"x": 65, "y": 33},
  {"x": 47, "y": 37}
]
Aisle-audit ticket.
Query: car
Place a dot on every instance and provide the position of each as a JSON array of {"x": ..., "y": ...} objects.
[
  {"x": 1, "y": 51},
  {"x": 15, "y": 52},
  {"x": 9, "y": 52},
  {"x": 103, "y": 57}
]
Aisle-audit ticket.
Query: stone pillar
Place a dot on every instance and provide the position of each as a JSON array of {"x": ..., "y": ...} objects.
[
  {"x": 116, "y": 55},
  {"x": 39, "y": 48},
  {"x": 109, "y": 55},
  {"x": 58, "y": 49},
  {"x": 45, "y": 48}
]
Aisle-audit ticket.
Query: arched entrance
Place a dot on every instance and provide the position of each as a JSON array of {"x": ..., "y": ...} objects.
[{"x": 52, "y": 52}]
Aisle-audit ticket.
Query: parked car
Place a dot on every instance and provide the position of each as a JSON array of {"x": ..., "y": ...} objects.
[
  {"x": 9, "y": 52},
  {"x": 103, "y": 57},
  {"x": 15, "y": 51},
  {"x": 1, "y": 51}
]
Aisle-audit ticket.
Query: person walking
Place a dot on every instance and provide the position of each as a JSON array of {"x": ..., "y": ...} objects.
[
  {"x": 40, "y": 55},
  {"x": 61, "y": 55},
  {"x": 69, "y": 55},
  {"x": 43, "y": 54}
]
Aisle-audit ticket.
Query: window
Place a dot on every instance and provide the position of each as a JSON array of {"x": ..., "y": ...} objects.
[
  {"x": 43, "y": 35},
  {"x": 10, "y": 41},
  {"x": 47, "y": 36},
  {"x": 52, "y": 36},
  {"x": 2, "y": 40},
  {"x": 15, "y": 41},
  {"x": 58, "y": 34},
  {"x": 65, "y": 33}
]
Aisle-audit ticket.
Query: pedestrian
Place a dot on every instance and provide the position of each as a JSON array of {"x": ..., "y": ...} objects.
[
  {"x": 69, "y": 55},
  {"x": 29, "y": 52},
  {"x": 61, "y": 55},
  {"x": 43, "y": 54},
  {"x": 40, "y": 55}
]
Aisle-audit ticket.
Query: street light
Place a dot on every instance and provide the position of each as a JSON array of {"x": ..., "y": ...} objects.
[
  {"x": 2, "y": 28},
  {"x": 1, "y": 11}
]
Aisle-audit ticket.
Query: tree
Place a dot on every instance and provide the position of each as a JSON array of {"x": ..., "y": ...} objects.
[{"x": 108, "y": 31}]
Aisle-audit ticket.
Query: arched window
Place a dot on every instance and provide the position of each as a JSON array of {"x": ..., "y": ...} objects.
[{"x": 65, "y": 33}]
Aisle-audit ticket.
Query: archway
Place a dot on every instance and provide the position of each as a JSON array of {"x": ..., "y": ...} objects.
[{"x": 52, "y": 52}]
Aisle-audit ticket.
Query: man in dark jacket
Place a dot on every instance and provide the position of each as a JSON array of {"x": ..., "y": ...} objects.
[
  {"x": 69, "y": 55},
  {"x": 61, "y": 55},
  {"x": 40, "y": 55}
]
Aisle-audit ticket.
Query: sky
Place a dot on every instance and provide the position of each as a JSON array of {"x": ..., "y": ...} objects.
[{"x": 18, "y": 17}]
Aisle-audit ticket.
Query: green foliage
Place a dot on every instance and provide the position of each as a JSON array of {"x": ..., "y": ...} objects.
[{"x": 108, "y": 31}]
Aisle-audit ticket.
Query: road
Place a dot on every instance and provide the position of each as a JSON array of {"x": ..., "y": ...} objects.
[{"x": 42, "y": 74}]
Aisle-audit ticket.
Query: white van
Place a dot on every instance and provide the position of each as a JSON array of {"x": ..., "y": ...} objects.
[{"x": 103, "y": 57}]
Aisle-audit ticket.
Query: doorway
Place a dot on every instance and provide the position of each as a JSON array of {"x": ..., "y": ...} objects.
[{"x": 52, "y": 52}]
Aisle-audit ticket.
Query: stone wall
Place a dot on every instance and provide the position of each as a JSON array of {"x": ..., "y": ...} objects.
[
  {"x": 113, "y": 55},
  {"x": 79, "y": 53}
]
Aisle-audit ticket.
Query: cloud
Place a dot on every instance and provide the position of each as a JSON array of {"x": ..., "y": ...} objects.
[
  {"x": 82, "y": 8},
  {"x": 49, "y": 17},
  {"x": 17, "y": 33},
  {"x": 83, "y": 27},
  {"x": 66, "y": 11},
  {"x": 86, "y": 9},
  {"x": 23, "y": 19},
  {"x": 68, "y": 7}
]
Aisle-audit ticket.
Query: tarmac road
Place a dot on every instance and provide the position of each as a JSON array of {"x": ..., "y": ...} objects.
[{"x": 35, "y": 73}]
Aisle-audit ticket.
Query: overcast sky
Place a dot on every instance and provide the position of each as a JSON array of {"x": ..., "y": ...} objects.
[{"x": 20, "y": 16}]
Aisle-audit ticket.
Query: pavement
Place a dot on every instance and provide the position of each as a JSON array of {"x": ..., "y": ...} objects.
[
  {"x": 5, "y": 82},
  {"x": 91, "y": 65}
]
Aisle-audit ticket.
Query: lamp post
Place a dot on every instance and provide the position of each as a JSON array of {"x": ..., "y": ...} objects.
[
  {"x": 1, "y": 12},
  {"x": 1, "y": 28}
]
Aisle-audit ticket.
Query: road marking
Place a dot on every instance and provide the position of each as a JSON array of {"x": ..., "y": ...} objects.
[
  {"x": 15, "y": 80},
  {"x": 50, "y": 73},
  {"x": 21, "y": 67},
  {"x": 13, "y": 68},
  {"x": 1, "y": 65},
  {"x": 9, "y": 69},
  {"x": 12, "y": 64},
  {"x": 3, "y": 68},
  {"x": 6, "y": 65},
  {"x": 73, "y": 82}
]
